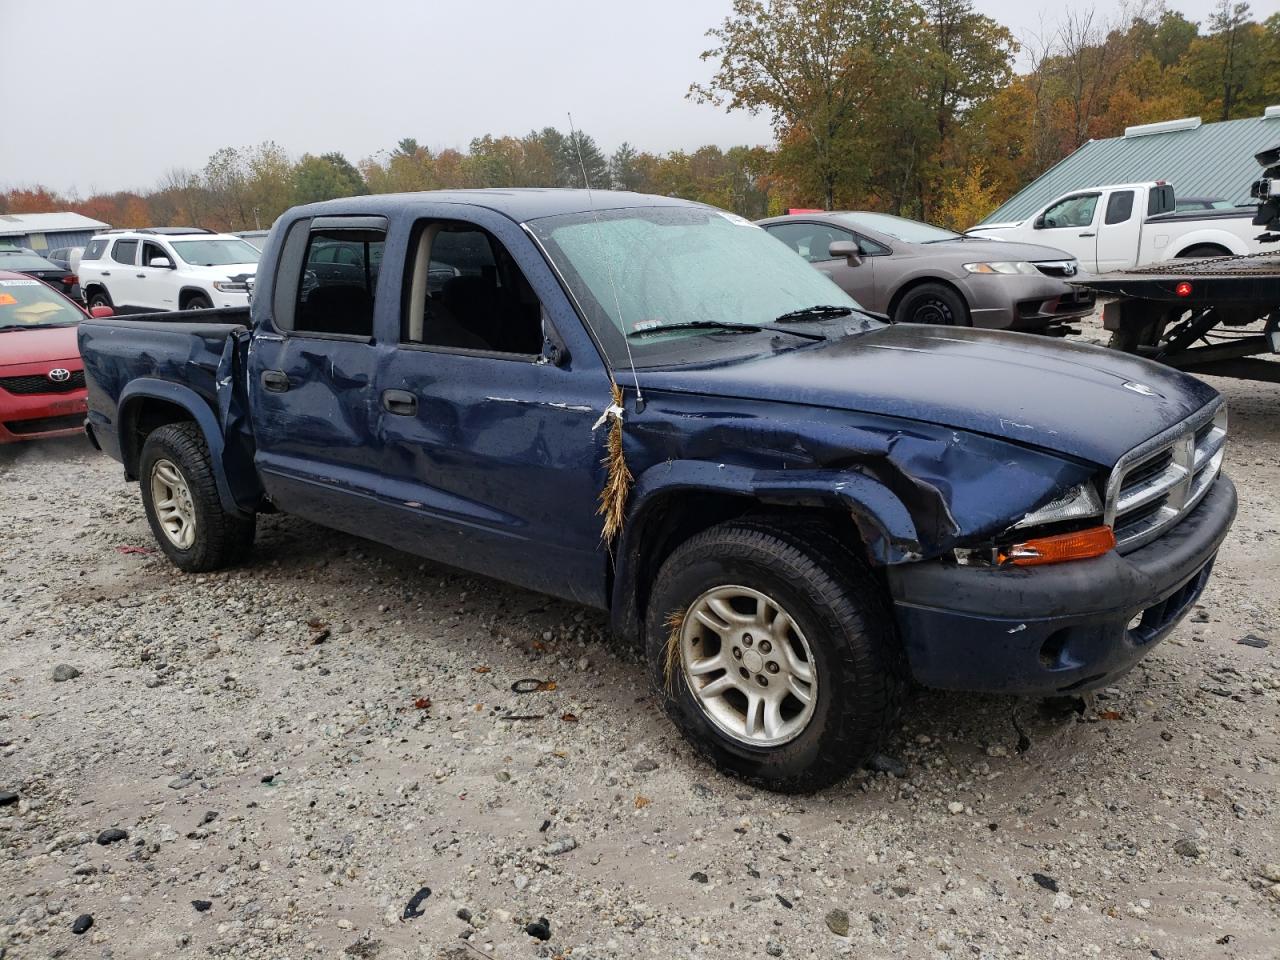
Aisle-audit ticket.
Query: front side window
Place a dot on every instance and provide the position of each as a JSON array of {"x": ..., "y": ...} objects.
[
  {"x": 1072, "y": 212},
  {"x": 467, "y": 292},
  {"x": 29, "y": 303},
  {"x": 125, "y": 251},
  {"x": 217, "y": 253},
  {"x": 152, "y": 251},
  {"x": 811, "y": 240},
  {"x": 339, "y": 280},
  {"x": 639, "y": 273}
]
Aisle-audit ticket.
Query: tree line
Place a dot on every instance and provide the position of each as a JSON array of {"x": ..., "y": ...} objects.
[{"x": 924, "y": 108}]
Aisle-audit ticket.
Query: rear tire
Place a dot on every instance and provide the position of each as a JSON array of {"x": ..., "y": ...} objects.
[
  {"x": 180, "y": 496},
  {"x": 932, "y": 303},
  {"x": 789, "y": 611}
]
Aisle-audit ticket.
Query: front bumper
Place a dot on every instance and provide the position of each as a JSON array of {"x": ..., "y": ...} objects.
[
  {"x": 42, "y": 415},
  {"x": 1061, "y": 628},
  {"x": 1024, "y": 302}
]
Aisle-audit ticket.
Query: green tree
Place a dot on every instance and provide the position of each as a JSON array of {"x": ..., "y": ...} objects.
[
  {"x": 625, "y": 172},
  {"x": 325, "y": 177},
  {"x": 1225, "y": 66}
]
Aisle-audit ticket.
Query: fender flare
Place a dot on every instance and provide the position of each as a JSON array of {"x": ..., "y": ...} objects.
[
  {"x": 188, "y": 290},
  {"x": 201, "y": 413},
  {"x": 886, "y": 526}
]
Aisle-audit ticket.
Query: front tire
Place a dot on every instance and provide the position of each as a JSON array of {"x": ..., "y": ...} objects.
[
  {"x": 198, "y": 302},
  {"x": 100, "y": 298},
  {"x": 180, "y": 496},
  {"x": 774, "y": 655},
  {"x": 932, "y": 303}
]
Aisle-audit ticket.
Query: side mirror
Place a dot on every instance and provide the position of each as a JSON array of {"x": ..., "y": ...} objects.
[
  {"x": 163, "y": 263},
  {"x": 847, "y": 249},
  {"x": 101, "y": 313},
  {"x": 1039, "y": 223}
]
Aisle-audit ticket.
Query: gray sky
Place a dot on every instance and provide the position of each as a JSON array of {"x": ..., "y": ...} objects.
[{"x": 164, "y": 84}]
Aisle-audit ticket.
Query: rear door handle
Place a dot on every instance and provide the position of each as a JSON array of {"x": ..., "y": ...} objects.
[
  {"x": 1088, "y": 234},
  {"x": 275, "y": 381},
  {"x": 106, "y": 273},
  {"x": 400, "y": 402},
  {"x": 141, "y": 276}
]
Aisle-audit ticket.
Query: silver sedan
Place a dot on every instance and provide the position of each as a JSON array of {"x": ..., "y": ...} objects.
[{"x": 918, "y": 273}]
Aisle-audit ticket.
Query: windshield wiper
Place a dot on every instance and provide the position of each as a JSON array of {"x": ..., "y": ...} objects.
[
  {"x": 814, "y": 313},
  {"x": 721, "y": 325}
]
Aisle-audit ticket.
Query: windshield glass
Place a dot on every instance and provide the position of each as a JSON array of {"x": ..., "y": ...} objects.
[
  {"x": 24, "y": 261},
  {"x": 641, "y": 269},
  {"x": 900, "y": 228},
  {"x": 216, "y": 253},
  {"x": 29, "y": 303}
]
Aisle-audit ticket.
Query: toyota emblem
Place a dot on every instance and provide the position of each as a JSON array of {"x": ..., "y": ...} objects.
[{"x": 59, "y": 375}]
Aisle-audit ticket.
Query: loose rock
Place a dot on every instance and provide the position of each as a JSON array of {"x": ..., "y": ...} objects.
[
  {"x": 112, "y": 835},
  {"x": 64, "y": 672},
  {"x": 837, "y": 921}
]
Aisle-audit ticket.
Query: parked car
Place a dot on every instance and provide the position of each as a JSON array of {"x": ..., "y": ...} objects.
[
  {"x": 34, "y": 265},
  {"x": 256, "y": 237},
  {"x": 42, "y": 391},
  {"x": 167, "y": 268},
  {"x": 918, "y": 273},
  {"x": 821, "y": 502},
  {"x": 68, "y": 258},
  {"x": 1131, "y": 225}
]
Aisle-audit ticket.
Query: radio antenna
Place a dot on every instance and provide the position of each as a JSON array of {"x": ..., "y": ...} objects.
[{"x": 608, "y": 262}]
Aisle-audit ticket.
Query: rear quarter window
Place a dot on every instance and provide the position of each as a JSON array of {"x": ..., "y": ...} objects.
[{"x": 94, "y": 250}]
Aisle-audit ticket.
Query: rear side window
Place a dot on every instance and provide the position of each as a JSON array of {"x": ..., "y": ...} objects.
[
  {"x": 339, "y": 279},
  {"x": 1119, "y": 206},
  {"x": 125, "y": 251},
  {"x": 1160, "y": 200},
  {"x": 94, "y": 250}
]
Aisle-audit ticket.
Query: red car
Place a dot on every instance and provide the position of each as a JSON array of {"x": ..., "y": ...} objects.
[{"x": 42, "y": 391}]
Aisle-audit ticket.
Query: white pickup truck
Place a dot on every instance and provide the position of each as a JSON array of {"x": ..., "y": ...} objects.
[{"x": 1130, "y": 225}]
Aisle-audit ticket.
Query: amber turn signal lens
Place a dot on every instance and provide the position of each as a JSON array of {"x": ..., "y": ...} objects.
[{"x": 1080, "y": 545}]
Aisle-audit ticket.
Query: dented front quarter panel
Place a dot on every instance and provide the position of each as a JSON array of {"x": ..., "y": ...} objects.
[{"x": 914, "y": 489}]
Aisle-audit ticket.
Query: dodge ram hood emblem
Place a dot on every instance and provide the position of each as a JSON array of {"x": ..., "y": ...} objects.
[
  {"x": 1141, "y": 388},
  {"x": 59, "y": 375}
]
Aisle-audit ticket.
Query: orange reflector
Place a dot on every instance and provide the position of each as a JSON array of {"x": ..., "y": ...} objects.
[
  {"x": 1080, "y": 545},
  {"x": 1183, "y": 289}
]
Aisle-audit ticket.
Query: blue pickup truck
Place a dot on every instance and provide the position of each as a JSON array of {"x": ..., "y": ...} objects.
[{"x": 652, "y": 407}]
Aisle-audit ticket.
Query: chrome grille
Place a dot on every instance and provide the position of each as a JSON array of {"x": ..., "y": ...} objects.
[{"x": 1160, "y": 481}]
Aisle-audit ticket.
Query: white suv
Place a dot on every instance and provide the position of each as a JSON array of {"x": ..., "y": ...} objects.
[{"x": 167, "y": 268}]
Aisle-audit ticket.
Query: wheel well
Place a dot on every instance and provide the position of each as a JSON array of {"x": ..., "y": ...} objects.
[
  {"x": 1204, "y": 250},
  {"x": 186, "y": 294},
  {"x": 673, "y": 518},
  {"x": 91, "y": 288},
  {"x": 920, "y": 282},
  {"x": 141, "y": 418}
]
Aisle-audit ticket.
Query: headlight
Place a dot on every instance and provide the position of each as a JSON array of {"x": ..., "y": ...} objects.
[
  {"x": 1078, "y": 503},
  {"x": 1003, "y": 266},
  {"x": 231, "y": 286}
]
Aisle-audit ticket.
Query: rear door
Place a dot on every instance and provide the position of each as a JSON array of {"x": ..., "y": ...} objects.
[
  {"x": 1071, "y": 224},
  {"x": 1120, "y": 231},
  {"x": 312, "y": 371},
  {"x": 120, "y": 273}
]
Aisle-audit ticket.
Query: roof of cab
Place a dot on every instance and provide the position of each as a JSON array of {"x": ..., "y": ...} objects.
[{"x": 521, "y": 204}]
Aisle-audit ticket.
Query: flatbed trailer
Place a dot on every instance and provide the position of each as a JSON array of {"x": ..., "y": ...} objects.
[{"x": 1217, "y": 316}]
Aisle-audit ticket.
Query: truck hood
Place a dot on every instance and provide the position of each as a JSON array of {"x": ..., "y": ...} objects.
[
  {"x": 38, "y": 346},
  {"x": 1069, "y": 398},
  {"x": 982, "y": 230}
]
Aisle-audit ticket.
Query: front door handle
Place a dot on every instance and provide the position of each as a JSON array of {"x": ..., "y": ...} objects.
[
  {"x": 275, "y": 381},
  {"x": 141, "y": 276},
  {"x": 1088, "y": 234},
  {"x": 106, "y": 273},
  {"x": 400, "y": 402}
]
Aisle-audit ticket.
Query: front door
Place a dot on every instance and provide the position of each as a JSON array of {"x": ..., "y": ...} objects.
[
  {"x": 812, "y": 240},
  {"x": 487, "y": 450},
  {"x": 1071, "y": 225},
  {"x": 312, "y": 373},
  {"x": 155, "y": 284}
]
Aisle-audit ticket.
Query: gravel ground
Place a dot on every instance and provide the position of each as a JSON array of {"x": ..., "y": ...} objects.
[{"x": 296, "y": 748}]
